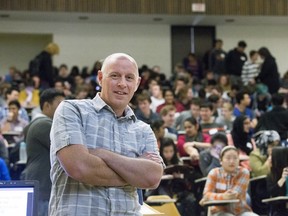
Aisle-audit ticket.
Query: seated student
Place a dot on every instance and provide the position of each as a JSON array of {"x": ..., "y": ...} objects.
[
  {"x": 228, "y": 182},
  {"x": 193, "y": 141},
  {"x": 167, "y": 114},
  {"x": 260, "y": 158},
  {"x": 226, "y": 118},
  {"x": 143, "y": 111},
  {"x": 13, "y": 122},
  {"x": 207, "y": 122},
  {"x": 210, "y": 158},
  {"x": 276, "y": 180},
  {"x": 241, "y": 139},
  {"x": 176, "y": 187},
  {"x": 169, "y": 154},
  {"x": 158, "y": 129}
]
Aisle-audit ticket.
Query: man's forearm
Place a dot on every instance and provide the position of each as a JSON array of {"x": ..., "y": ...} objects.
[{"x": 139, "y": 172}]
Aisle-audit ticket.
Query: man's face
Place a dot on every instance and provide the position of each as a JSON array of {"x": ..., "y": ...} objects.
[
  {"x": 246, "y": 100},
  {"x": 119, "y": 81},
  {"x": 13, "y": 96},
  {"x": 169, "y": 118},
  {"x": 144, "y": 106},
  {"x": 13, "y": 111},
  {"x": 195, "y": 110},
  {"x": 205, "y": 113},
  {"x": 169, "y": 97}
]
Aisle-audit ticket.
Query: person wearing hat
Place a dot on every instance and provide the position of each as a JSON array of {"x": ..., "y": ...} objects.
[{"x": 260, "y": 158}]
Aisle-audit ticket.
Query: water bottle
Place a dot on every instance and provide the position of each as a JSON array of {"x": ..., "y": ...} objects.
[{"x": 22, "y": 152}]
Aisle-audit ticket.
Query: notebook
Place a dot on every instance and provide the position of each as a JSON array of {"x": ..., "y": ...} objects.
[{"x": 19, "y": 198}]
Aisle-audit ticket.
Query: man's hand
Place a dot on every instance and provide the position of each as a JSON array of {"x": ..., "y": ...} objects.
[{"x": 151, "y": 156}]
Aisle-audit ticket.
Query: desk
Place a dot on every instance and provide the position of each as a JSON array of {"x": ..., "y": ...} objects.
[
  {"x": 9, "y": 135},
  {"x": 146, "y": 210},
  {"x": 258, "y": 178},
  {"x": 276, "y": 199},
  {"x": 220, "y": 202}
]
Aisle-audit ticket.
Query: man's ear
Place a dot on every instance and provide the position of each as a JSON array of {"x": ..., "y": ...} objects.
[
  {"x": 138, "y": 83},
  {"x": 100, "y": 77}
]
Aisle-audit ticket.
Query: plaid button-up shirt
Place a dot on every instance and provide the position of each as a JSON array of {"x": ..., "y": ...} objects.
[{"x": 94, "y": 124}]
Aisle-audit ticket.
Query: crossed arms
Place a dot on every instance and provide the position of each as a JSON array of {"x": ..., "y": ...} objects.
[{"x": 101, "y": 167}]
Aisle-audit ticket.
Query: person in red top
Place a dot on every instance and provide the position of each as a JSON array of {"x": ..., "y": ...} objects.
[
  {"x": 170, "y": 100},
  {"x": 193, "y": 141}
]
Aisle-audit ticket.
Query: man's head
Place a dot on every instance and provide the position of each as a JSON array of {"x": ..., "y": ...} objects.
[
  {"x": 243, "y": 98},
  {"x": 12, "y": 94},
  {"x": 253, "y": 54},
  {"x": 156, "y": 91},
  {"x": 119, "y": 80},
  {"x": 277, "y": 99},
  {"x": 144, "y": 101},
  {"x": 218, "y": 44},
  {"x": 195, "y": 107},
  {"x": 167, "y": 114},
  {"x": 206, "y": 111},
  {"x": 13, "y": 107},
  {"x": 49, "y": 101},
  {"x": 241, "y": 46}
]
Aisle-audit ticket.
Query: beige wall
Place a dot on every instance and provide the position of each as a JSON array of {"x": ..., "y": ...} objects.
[{"x": 83, "y": 44}]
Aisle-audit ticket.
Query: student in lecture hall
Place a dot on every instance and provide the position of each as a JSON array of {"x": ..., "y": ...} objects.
[{"x": 230, "y": 181}]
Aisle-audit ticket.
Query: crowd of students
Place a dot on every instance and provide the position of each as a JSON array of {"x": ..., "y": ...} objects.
[{"x": 223, "y": 100}]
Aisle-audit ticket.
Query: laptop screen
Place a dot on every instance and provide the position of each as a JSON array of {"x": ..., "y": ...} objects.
[{"x": 18, "y": 198}]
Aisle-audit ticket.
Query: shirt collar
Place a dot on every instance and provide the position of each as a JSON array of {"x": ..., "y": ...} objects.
[
  {"x": 230, "y": 174},
  {"x": 100, "y": 104}
]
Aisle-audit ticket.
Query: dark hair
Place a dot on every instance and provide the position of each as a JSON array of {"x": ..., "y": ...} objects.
[
  {"x": 277, "y": 99},
  {"x": 207, "y": 105},
  {"x": 165, "y": 142},
  {"x": 263, "y": 51},
  {"x": 240, "y": 96},
  {"x": 239, "y": 136},
  {"x": 219, "y": 137},
  {"x": 194, "y": 122},
  {"x": 252, "y": 52},
  {"x": 195, "y": 101},
  {"x": 48, "y": 95},
  {"x": 213, "y": 98},
  {"x": 279, "y": 161},
  {"x": 242, "y": 44},
  {"x": 10, "y": 90},
  {"x": 157, "y": 124},
  {"x": 142, "y": 97},
  {"x": 16, "y": 103}
]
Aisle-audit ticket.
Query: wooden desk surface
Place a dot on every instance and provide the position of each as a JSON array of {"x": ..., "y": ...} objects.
[
  {"x": 276, "y": 199},
  {"x": 161, "y": 201},
  {"x": 146, "y": 210},
  {"x": 220, "y": 202},
  {"x": 201, "y": 180},
  {"x": 258, "y": 178}
]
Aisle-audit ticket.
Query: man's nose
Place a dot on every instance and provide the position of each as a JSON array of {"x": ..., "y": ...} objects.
[{"x": 122, "y": 82}]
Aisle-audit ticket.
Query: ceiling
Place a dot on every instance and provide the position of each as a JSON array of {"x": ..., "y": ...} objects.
[{"x": 199, "y": 19}]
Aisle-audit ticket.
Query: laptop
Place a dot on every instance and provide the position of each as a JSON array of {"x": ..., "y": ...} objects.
[{"x": 19, "y": 198}]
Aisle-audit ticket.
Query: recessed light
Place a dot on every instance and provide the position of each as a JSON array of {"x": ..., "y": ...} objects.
[
  {"x": 229, "y": 20},
  {"x": 4, "y": 15},
  {"x": 83, "y": 17},
  {"x": 157, "y": 19}
]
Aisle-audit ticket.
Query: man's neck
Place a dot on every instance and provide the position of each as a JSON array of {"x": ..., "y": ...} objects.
[{"x": 241, "y": 107}]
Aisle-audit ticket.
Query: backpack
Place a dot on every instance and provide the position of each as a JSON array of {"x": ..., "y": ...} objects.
[{"x": 34, "y": 66}]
